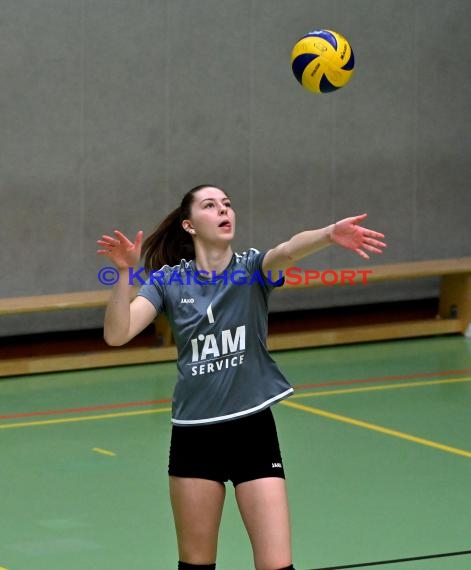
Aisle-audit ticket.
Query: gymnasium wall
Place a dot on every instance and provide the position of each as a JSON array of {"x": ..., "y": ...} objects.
[{"x": 112, "y": 109}]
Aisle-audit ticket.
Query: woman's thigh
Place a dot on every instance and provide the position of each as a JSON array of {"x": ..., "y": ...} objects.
[
  {"x": 197, "y": 508},
  {"x": 263, "y": 504}
]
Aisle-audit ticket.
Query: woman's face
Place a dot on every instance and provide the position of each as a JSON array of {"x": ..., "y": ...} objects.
[{"x": 212, "y": 217}]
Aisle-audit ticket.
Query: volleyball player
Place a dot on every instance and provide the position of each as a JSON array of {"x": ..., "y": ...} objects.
[{"x": 217, "y": 304}]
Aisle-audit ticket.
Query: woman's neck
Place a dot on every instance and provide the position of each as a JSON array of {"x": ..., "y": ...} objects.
[{"x": 213, "y": 259}]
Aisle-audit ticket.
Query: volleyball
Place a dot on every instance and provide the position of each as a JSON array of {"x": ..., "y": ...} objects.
[{"x": 322, "y": 61}]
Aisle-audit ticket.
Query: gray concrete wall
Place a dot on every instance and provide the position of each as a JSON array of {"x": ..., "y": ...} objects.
[{"x": 112, "y": 109}]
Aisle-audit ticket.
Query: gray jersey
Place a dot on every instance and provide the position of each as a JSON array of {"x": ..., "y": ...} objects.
[{"x": 220, "y": 326}]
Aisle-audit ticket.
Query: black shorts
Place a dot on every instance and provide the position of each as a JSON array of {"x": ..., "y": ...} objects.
[{"x": 237, "y": 450}]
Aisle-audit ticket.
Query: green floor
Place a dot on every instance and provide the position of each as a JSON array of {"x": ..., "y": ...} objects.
[{"x": 376, "y": 444}]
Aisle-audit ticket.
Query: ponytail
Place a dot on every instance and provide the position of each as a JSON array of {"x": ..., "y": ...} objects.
[{"x": 170, "y": 243}]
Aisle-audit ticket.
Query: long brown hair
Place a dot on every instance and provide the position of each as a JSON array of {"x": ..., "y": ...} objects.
[{"x": 170, "y": 243}]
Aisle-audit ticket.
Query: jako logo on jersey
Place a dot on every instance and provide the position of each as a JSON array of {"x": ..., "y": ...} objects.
[
  {"x": 211, "y": 353},
  {"x": 190, "y": 300}
]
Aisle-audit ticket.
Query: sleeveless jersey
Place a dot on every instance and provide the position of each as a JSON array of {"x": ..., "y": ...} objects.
[{"x": 219, "y": 323}]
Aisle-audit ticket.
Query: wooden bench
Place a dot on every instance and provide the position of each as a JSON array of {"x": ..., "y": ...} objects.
[{"x": 454, "y": 316}]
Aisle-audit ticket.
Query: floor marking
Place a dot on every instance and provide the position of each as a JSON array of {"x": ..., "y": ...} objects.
[
  {"x": 389, "y": 378},
  {"x": 396, "y": 560},
  {"x": 378, "y": 388},
  {"x": 85, "y": 409},
  {"x": 374, "y": 427},
  {"x": 169, "y": 400},
  {"x": 84, "y": 418},
  {"x": 103, "y": 452},
  {"x": 153, "y": 402}
]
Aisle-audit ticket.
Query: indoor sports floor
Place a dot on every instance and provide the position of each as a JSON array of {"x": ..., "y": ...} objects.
[{"x": 376, "y": 444}]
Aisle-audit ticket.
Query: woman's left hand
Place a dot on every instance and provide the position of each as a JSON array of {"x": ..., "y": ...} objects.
[{"x": 349, "y": 234}]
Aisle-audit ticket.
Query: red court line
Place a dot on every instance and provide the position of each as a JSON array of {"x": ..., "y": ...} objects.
[
  {"x": 297, "y": 387},
  {"x": 85, "y": 409}
]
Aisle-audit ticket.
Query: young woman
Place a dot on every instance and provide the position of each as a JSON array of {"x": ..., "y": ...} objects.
[{"x": 217, "y": 304}]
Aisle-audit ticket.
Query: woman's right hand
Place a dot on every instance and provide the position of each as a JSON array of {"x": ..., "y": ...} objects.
[{"x": 122, "y": 252}]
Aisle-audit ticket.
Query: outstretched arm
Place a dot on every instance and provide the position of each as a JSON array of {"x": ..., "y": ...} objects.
[{"x": 347, "y": 233}]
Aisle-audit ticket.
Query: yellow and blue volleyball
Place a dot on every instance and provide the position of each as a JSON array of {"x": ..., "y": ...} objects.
[{"x": 322, "y": 61}]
